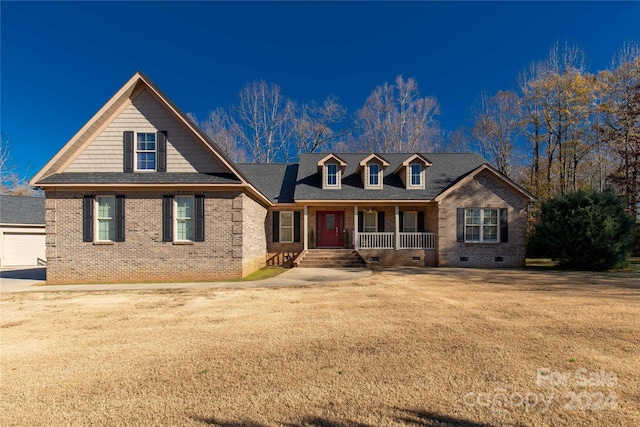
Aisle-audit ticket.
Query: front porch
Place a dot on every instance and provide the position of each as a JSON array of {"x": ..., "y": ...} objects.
[{"x": 396, "y": 227}]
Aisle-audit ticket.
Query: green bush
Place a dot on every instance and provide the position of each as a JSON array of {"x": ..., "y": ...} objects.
[{"x": 586, "y": 230}]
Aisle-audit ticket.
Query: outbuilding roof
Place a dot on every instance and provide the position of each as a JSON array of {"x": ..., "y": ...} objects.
[{"x": 21, "y": 210}]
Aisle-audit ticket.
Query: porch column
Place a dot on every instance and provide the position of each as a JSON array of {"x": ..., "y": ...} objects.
[
  {"x": 355, "y": 227},
  {"x": 397, "y": 227},
  {"x": 305, "y": 228}
]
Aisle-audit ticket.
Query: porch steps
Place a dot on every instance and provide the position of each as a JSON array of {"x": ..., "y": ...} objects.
[{"x": 330, "y": 258}]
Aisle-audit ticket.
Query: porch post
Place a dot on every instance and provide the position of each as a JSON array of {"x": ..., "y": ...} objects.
[
  {"x": 397, "y": 227},
  {"x": 305, "y": 239},
  {"x": 355, "y": 227}
]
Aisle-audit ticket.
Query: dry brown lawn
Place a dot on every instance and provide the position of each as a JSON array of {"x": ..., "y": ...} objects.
[{"x": 425, "y": 347}]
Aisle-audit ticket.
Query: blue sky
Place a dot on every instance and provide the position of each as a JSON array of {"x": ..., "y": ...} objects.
[{"x": 61, "y": 61}]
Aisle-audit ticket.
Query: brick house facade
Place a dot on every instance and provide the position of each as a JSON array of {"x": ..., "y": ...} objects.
[{"x": 141, "y": 194}]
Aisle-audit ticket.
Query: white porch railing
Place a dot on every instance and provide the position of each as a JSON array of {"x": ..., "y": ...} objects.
[
  {"x": 417, "y": 240},
  {"x": 388, "y": 240},
  {"x": 376, "y": 240}
]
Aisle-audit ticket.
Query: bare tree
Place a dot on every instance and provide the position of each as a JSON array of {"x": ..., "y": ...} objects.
[
  {"x": 11, "y": 181},
  {"x": 314, "y": 125},
  {"x": 265, "y": 122},
  {"x": 396, "y": 119},
  {"x": 495, "y": 129},
  {"x": 224, "y": 131}
]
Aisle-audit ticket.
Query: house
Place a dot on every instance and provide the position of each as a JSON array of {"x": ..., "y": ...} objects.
[
  {"x": 22, "y": 231},
  {"x": 140, "y": 193}
]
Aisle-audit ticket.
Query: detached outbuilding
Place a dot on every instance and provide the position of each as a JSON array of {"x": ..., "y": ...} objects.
[{"x": 22, "y": 231}]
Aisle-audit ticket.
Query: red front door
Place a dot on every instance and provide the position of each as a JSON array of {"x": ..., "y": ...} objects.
[{"x": 329, "y": 227}]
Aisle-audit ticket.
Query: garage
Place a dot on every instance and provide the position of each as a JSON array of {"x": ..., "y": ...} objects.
[
  {"x": 22, "y": 231},
  {"x": 23, "y": 249}
]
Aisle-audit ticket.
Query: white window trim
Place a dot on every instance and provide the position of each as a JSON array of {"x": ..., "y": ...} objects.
[
  {"x": 97, "y": 218},
  {"x": 325, "y": 178},
  {"x": 375, "y": 222},
  {"x": 481, "y": 225},
  {"x": 135, "y": 152},
  {"x": 175, "y": 217},
  {"x": 368, "y": 176},
  {"x": 415, "y": 221},
  {"x": 288, "y": 227},
  {"x": 410, "y": 184}
]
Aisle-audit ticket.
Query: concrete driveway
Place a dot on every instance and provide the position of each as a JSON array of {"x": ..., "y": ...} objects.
[{"x": 32, "y": 279}]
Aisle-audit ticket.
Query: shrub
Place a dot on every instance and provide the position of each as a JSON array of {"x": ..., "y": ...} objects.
[{"x": 586, "y": 230}]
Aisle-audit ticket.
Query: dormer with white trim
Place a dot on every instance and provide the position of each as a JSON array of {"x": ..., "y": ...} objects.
[
  {"x": 412, "y": 172},
  {"x": 331, "y": 168},
  {"x": 371, "y": 170}
]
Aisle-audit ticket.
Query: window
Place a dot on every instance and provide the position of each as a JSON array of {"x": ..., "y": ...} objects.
[
  {"x": 370, "y": 221},
  {"x": 185, "y": 219},
  {"x": 146, "y": 152},
  {"x": 332, "y": 175},
  {"x": 106, "y": 218},
  {"x": 410, "y": 221},
  {"x": 374, "y": 178},
  {"x": 481, "y": 225},
  {"x": 415, "y": 175},
  {"x": 286, "y": 226}
]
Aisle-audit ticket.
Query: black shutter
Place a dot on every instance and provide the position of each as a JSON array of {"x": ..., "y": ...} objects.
[
  {"x": 504, "y": 225},
  {"x": 420, "y": 222},
  {"x": 167, "y": 218},
  {"x": 276, "y": 226},
  {"x": 127, "y": 143},
  {"x": 380, "y": 222},
  {"x": 401, "y": 215},
  {"x": 360, "y": 221},
  {"x": 199, "y": 237},
  {"x": 162, "y": 151},
  {"x": 87, "y": 219},
  {"x": 119, "y": 218},
  {"x": 460, "y": 225},
  {"x": 296, "y": 226}
]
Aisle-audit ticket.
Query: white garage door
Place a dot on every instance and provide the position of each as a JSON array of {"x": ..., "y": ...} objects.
[{"x": 23, "y": 248}]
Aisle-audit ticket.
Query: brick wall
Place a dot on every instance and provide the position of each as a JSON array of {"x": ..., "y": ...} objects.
[
  {"x": 143, "y": 256},
  {"x": 254, "y": 244},
  {"x": 391, "y": 257},
  {"x": 491, "y": 194}
]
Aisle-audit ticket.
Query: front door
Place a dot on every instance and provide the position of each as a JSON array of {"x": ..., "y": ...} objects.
[{"x": 329, "y": 227}]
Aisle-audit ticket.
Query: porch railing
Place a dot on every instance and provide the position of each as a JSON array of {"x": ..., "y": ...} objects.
[
  {"x": 417, "y": 240},
  {"x": 388, "y": 240},
  {"x": 376, "y": 240}
]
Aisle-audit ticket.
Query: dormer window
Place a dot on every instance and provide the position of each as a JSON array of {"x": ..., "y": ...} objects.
[
  {"x": 371, "y": 170},
  {"x": 416, "y": 175},
  {"x": 332, "y": 175},
  {"x": 331, "y": 169},
  {"x": 412, "y": 172},
  {"x": 373, "y": 173}
]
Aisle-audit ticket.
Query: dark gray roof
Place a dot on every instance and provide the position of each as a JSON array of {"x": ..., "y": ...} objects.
[
  {"x": 138, "y": 178},
  {"x": 276, "y": 181},
  {"x": 446, "y": 169},
  {"x": 21, "y": 210}
]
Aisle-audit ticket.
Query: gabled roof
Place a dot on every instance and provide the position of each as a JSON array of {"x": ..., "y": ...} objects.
[
  {"x": 363, "y": 162},
  {"x": 445, "y": 170},
  {"x": 136, "y": 84},
  {"x": 329, "y": 156},
  {"x": 410, "y": 159},
  {"x": 21, "y": 210},
  {"x": 276, "y": 181},
  {"x": 521, "y": 192}
]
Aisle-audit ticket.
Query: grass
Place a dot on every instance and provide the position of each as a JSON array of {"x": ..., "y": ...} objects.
[
  {"x": 263, "y": 273},
  {"x": 633, "y": 264},
  {"x": 400, "y": 347}
]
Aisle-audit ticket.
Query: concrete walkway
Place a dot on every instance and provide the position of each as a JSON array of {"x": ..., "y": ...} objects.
[{"x": 32, "y": 279}]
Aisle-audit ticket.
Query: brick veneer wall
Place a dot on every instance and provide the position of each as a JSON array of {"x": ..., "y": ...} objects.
[
  {"x": 254, "y": 244},
  {"x": 143, "y": 256},
  {"x": 392, "y": 257},
  {"x": 492, "y": 194}
]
